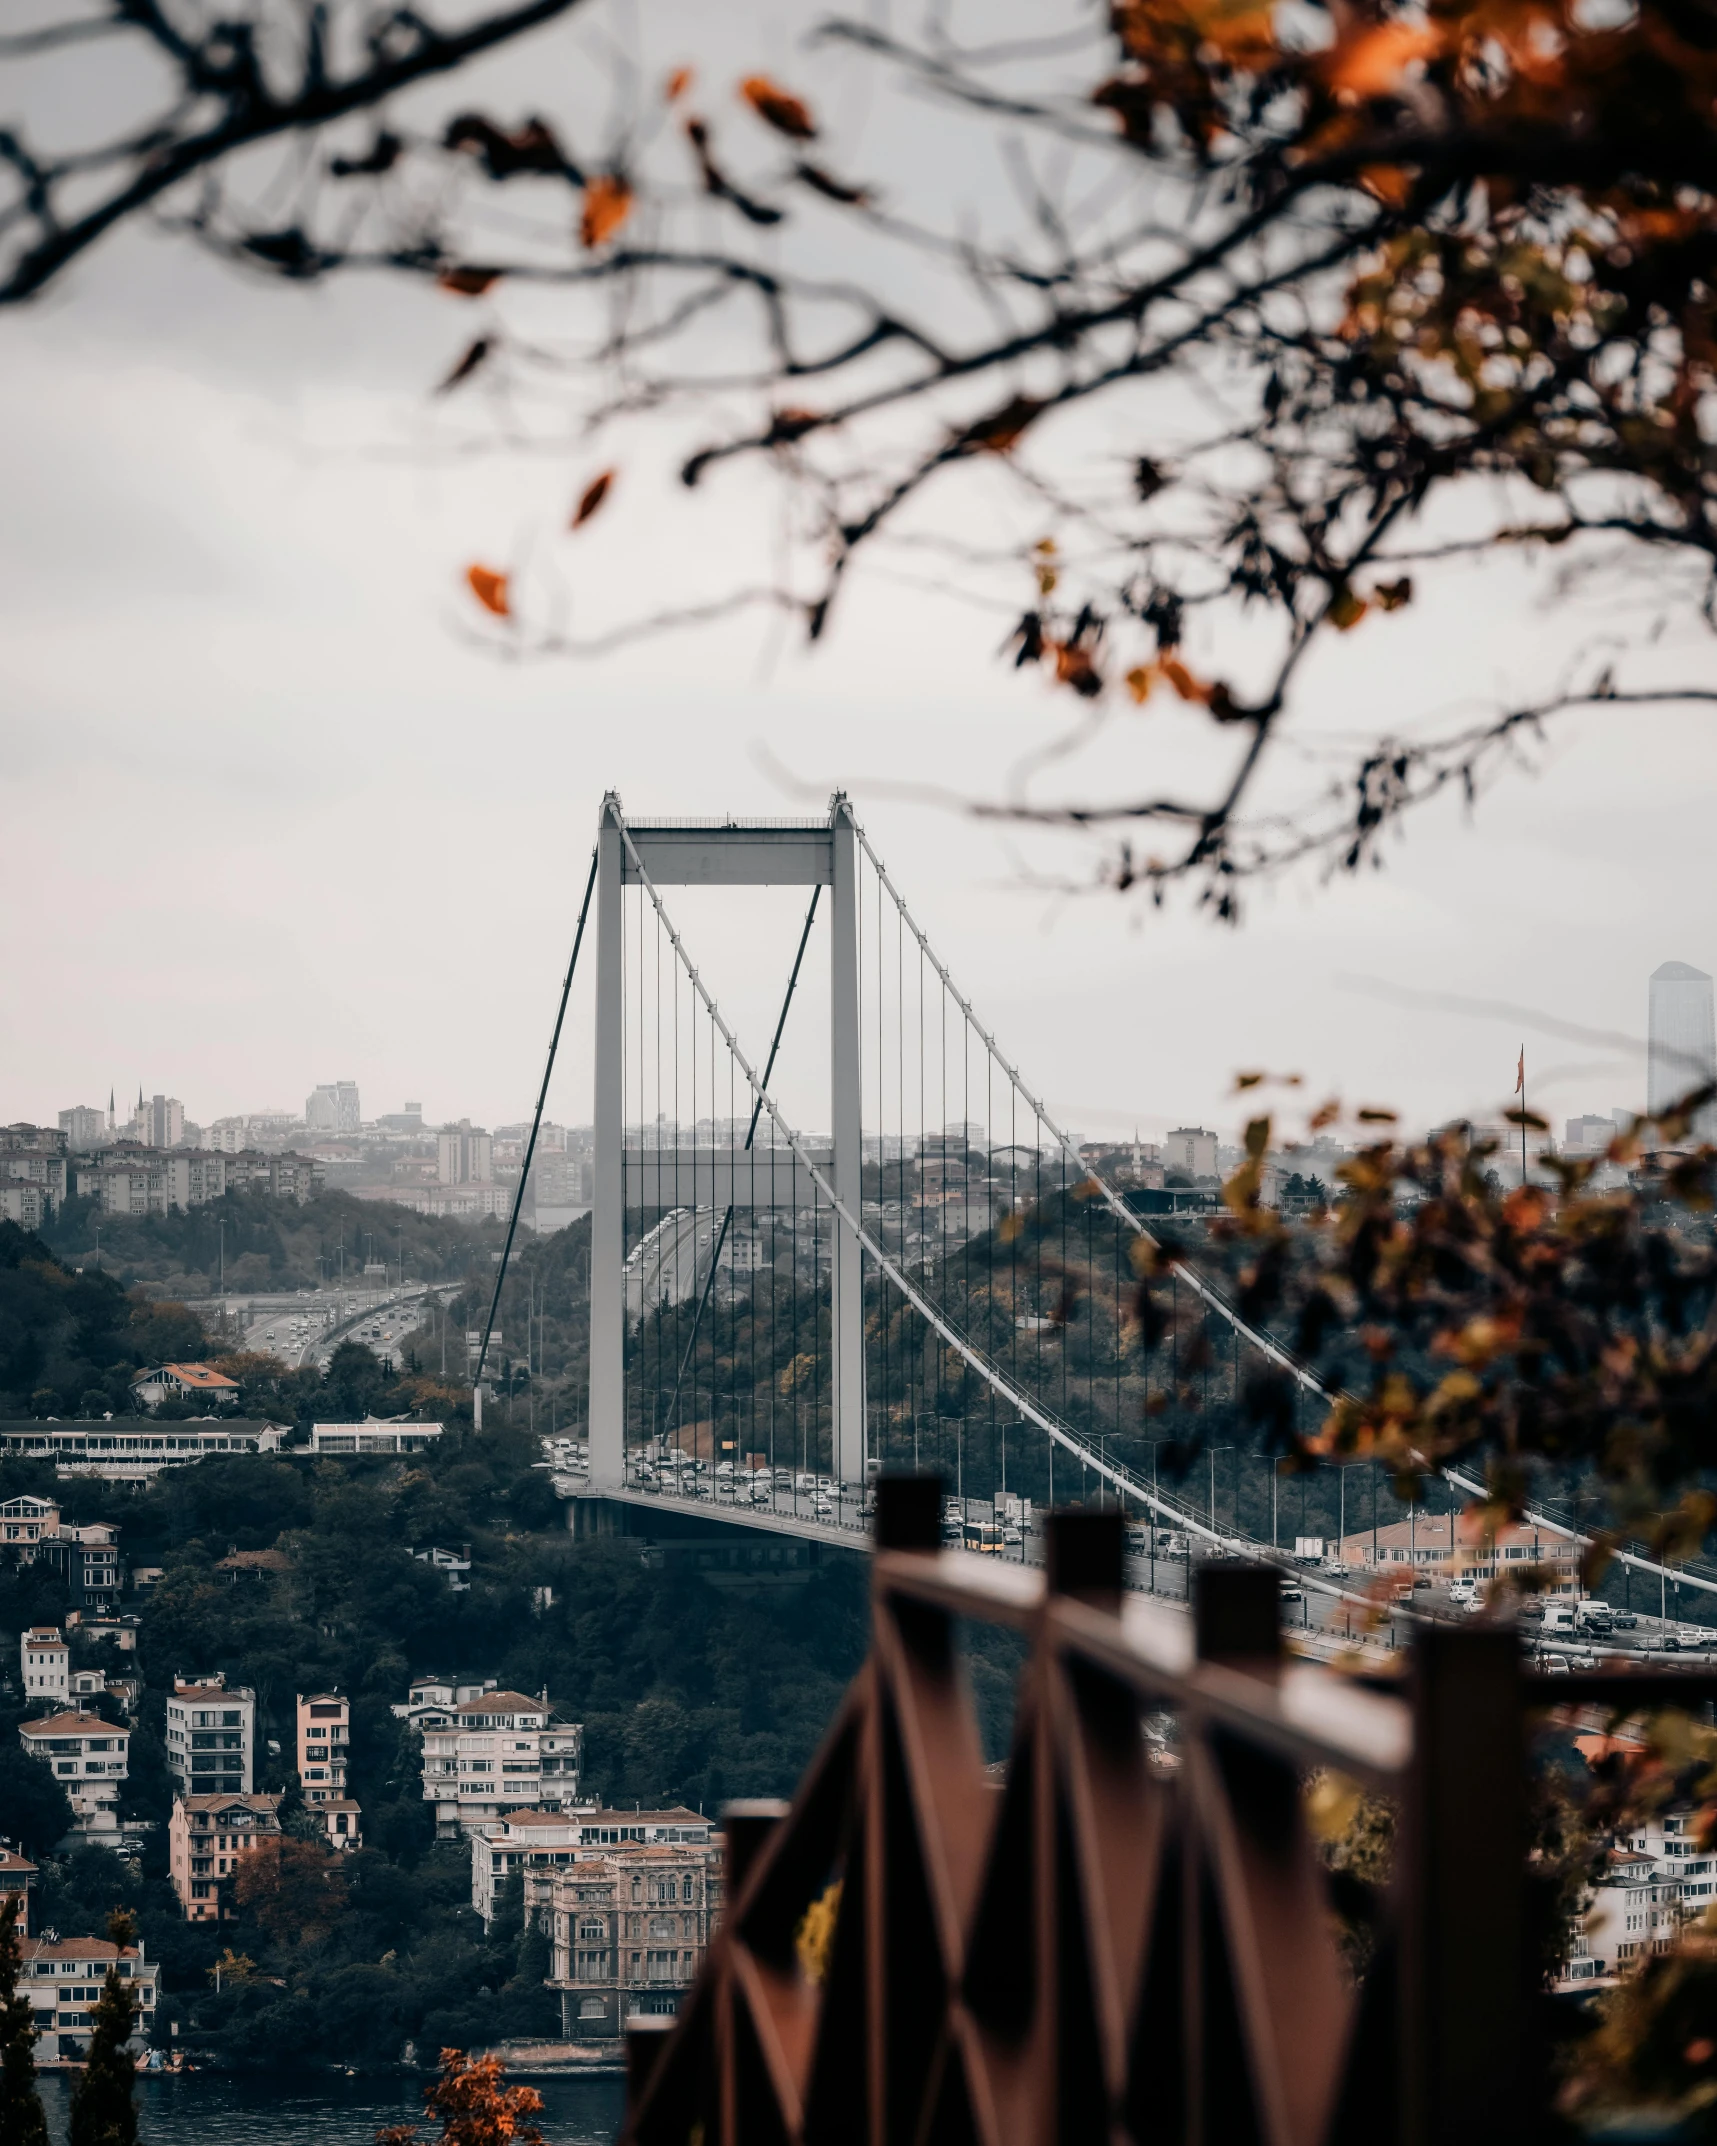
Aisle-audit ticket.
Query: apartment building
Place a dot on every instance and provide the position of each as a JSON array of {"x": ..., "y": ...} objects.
[
  {"x": 149, "y": 1181},
  {"x": 628, "y": 1927},
  {"x": 32, "y": 1530},
  {"x": 17, "y": 1878},
  {"x": 206, "y": 1838},
  {"x": 211, "y": 1737},
  {"x": 323, "y": 1745},
  {"x": 374, "y": 1437},
  {"x": 534, "y": 1842},
  {"x": 45, "y": 1663},
  {"x": 34, "y": 1156},
  {"x": 1442, "y": 1545},
  {"x": 1671, "y": 1840},
  {"x": 287, "y": 1176},
  {"x": 490, "y": 1754},
  {"x": 89, "y": 1758},
  {"x": 62, "y": 1978}
]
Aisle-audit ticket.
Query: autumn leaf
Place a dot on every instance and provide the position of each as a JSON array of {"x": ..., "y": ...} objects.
[
  {"x": 779, "y": 108},
  {"x": 594, "y": 493},
  {"x": 490, "y": 590},
  {"x": 1389, "y": 183},
  {"x": 787, "y": 424},
  {"x": 468, "y": 363},
  {"x": 1393, "y": 595},
  {"x": 1184, "y": 683},
  {"x": 607, "y": 204},
  {"x": 676, "y": 85},
  {"x": 468, "y": 282},
  {"x": 1001, "y": 431},
  {"x": 532, "y": 149},
  {"x": 1074, "y": 667},
  {"x": 1375, "y": 60},
  {"x": 1346, "y": 609}
]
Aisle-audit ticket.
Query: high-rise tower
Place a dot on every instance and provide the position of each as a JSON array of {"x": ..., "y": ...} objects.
[{"x": 1682, "y": 1048}]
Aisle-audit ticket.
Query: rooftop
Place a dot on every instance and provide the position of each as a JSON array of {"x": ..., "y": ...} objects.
[
  {"x": 197, "y": 1375},
  {"x": 71, "y": 1725},
  {"x": 77, "y": 1948},
  {"x": 503, "y": 1702},
  {"x": 258, "y": 1803}
]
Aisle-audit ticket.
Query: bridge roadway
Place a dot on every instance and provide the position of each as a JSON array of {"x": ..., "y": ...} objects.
[{"x": 1326, "y": 1625}]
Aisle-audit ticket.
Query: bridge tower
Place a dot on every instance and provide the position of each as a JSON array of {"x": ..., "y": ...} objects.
[{"x": 708, "y": 853}]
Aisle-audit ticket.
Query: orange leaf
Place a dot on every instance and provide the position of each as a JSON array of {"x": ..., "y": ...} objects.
[
  {"x": 1388, "y": 183},
  {"x": 490, "y": 590},
  {"x": 1346, "y": 610},
  {"x": 594, "y": 493},
  {"x": 1140, "y": 679},
  {"x": 779, "y": 108},
  {"x": 1375, "y": 62},
  {"x": 607, "y": 204},
  {"x": 676, "y": 85},
  {"x": 468, "y": 282},
  {"x": 1184, "y": 683}
]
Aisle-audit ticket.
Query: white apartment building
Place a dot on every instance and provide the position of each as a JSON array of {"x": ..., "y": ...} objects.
[
  {"x": 1671, "y": 1840},
  {"x": 491, "y": 1754},
  {"x": 89, "y": 1758},
  {"x": 1629, "y": 1914},
  {"x": 1191, "y": 1150},
  {"x": 324, "y": 1745},
  {"x": 46, "y": 1663},
  {"x": 211, "y": 1737},
  {"x": 533, "y": 1842},
  {"x": 63, "y": 1977}
]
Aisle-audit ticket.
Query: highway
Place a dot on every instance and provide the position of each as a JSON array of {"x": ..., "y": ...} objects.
[
  {"x": 1325, "y": 1612},
  {"x": 305, "y": 1330}
]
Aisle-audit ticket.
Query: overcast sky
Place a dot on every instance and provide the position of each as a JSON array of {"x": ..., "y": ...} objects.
[{"x": 274, "y": 818}]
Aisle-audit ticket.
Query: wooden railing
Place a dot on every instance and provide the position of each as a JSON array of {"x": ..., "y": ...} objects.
[{"x": 1102, "y": 1946}]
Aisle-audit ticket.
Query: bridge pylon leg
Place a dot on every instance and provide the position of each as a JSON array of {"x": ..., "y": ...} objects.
[
  {"x": 607, "y": 1428},
  {"x": 847, "y": 1275}
]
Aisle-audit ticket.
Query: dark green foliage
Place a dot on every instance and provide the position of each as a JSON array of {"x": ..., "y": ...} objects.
[
  {"x": 22, "y": 2122},
  {"x": 267, "y": 1243},
  {"x": 37, "y": 1812},
  {"x": 66, "y": 1335},
  {"x": 104, "y": 2108}
]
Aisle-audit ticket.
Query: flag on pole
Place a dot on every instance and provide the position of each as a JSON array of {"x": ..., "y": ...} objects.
[{"x": 1520, "y": 1073}]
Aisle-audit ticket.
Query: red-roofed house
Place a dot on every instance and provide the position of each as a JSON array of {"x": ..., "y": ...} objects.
[
  {"x": 183, "y": 1382},
  {"x": 496, "y": 1753}
]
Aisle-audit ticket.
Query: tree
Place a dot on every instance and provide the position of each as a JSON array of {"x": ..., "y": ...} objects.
[
  {"x": 37, "y": 1810},
  {"x": 295, "y": 1889},
  {"x": 22, "y": 2121},
  {"x": 104, "y": 2108},
  {"x": 475, "y": 2108},
  {"x": 1269, "y": 322}
]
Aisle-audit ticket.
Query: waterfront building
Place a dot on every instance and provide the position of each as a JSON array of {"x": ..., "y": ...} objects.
[
  {"x": 211, "y": 1736},
  {"x": 532, "y": 1842},
  {"x": 206, "y": 1837},
  {"x": 89, "y": 1759},
  {"x": 628, "y": 1928},
  {"x": 62, "y": 1978}
]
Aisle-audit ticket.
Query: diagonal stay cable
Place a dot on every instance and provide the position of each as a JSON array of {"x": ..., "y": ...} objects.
[
  {"x": 671, "y": 1415},
  {"x": 1307, "y": 1378},
  {"x": 536, "y": 1126}
]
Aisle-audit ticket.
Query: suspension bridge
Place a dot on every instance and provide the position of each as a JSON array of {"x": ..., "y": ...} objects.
[{"x": 934, "y": 1279}]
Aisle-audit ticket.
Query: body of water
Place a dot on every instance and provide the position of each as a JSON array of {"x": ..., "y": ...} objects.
[{"x": 299, "y": 2108}]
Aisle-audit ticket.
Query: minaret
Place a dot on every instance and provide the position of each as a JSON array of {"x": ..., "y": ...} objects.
[{"x": 110, "y": 1108}]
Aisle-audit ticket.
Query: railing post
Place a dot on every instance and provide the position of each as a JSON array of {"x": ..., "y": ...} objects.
[
  {"x": 1470, "y": 2065},
  {"x": 908, "y": 1512}
]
